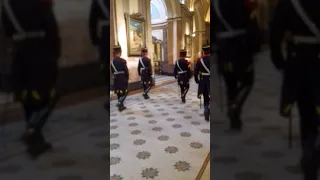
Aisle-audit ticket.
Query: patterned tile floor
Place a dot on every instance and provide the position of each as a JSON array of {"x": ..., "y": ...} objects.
[
  {"x": 81, "y": 147},
  {"x": 159, "y": 138},
  {"x": 159, "y": 79},
  {"x": 261, "y": 151}
]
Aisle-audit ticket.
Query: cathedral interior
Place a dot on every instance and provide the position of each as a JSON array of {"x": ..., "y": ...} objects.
[
  {"x": 166, "y": 28},
  {"x": 159, "y": 138}
]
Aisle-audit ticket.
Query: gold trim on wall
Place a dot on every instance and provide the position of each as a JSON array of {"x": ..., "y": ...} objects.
[{"x": 137, "y": 19}]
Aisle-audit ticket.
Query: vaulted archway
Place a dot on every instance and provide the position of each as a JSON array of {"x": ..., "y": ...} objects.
[{"x": 159, "y": 12}]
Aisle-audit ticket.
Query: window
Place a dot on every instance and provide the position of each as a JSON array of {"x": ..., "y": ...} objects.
[
  {"x": 182, "y": 1},
  {"x": 154, "y": 12}
]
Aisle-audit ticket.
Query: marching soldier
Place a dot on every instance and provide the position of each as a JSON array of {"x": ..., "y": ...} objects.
[
  {"x": 301, "y": 71},
  {"x": 120, "y": 73},
  {"x": 182, "y": 73},
  {"x": 99, "y": 25},
  {"x": 33, "y": 28},
  {"x": 145, "y": 72},
  {"x": 236, "y": 34},
  {"x": 202, "y": 77}
]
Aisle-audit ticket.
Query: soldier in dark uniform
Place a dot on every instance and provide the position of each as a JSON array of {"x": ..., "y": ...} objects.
[
  {"x": 99, "y": 25},
  {"x": 182, "y": 73},
  {"x": 236, "y": 36},
  {"x": 36, "y": 49},
  {"x": 301, "y": 71},
  {"x": 145, "y": 72},
  {"x": 202, "y": 77},
  {"x": 120, "y": 73}
]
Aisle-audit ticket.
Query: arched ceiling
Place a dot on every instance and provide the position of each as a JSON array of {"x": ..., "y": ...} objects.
[
  {"x": 166, "y": 9},
  {"x": 159, "y": 11},
  {"x": 163, "y": 9}
]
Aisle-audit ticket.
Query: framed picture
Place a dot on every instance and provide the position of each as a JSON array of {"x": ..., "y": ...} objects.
[
  {"x": 188, "y": 45},
  {"x": 135, "y": 28}
]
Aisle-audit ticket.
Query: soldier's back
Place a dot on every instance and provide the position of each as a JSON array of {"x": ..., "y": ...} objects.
[
  {"x": 28, "y": 13},
  {"x": 206, "y": 60},
  {"x": 236, "y": 15},
  {"x": 296, "y": 24},
  {"x": 119, "y": 63}
]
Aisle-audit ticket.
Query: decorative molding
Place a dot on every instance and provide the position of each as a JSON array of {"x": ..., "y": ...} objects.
[
  {"x": 163, "y": 24},
  {"x": 137, "y": 16},
  {"x": 174, "y": 19},
  {"x": 186, "y": 10}
]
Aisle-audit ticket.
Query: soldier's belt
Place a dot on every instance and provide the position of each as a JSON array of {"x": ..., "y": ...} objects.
[
  {"x": 119, "y": 72},
  {"x": 305, "y": 40},
  {"x": 142, "y": 69},
  {"x": 28, "y": 35},
  {"x": 231, "y": 34},
  {"x": 182, "y": 72},
  {"x": 205, "y": 74}
]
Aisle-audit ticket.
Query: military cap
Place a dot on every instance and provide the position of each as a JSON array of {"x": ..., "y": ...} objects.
[
  {"x": 183, "y": 52},
  {"x": 145, "y": 49},
  {"x": 206, "y": 47},
  {"x": 117, "y": 47}
]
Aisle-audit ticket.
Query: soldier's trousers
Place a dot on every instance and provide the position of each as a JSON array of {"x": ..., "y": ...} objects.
[
  {"x": 308, "y": 116},
  {"x": 35, "y": 71},
  {"x": 38, "y": 106},
  {"x": 206, "y": 95},
  {"x": 146, "y": 81},
  {"x": 238, "y": 87},
  {"x": 121, "y": 95},
  {"x": 184, "y": 88},
  {"x": 308, "y": 130}
]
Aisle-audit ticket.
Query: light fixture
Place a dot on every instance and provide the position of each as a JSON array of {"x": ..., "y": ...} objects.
[{"x": 193, "y": 35}]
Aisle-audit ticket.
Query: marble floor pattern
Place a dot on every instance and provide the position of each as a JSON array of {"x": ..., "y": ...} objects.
[
  {"x": 81, "y": 147},
  {"x": 261, "y": 151},
  {"x": 159, "y": 138}
]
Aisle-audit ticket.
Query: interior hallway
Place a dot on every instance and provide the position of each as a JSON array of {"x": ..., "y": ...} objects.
[
  {"x": 261, "y": 151},
  {"x": 159, "y": 138}
]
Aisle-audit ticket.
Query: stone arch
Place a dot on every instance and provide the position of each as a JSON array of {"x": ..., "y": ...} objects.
[
  {"x": 173, "y": 7},
  {"x": 159, "y": 12},
  {"x": 199, "y": 17},
  {"x": 166, "y": 9}
]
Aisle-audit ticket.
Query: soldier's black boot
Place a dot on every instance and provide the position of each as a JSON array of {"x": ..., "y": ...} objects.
[
  {"x": 35, "y": 146},
  {"x": 235, "y": 121},
  {"x": 121, "y": 107},
  {"x": 207, "y": 114},
  {"x": 145, "y": 95},
  {"x": 183, "y": 99}
]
